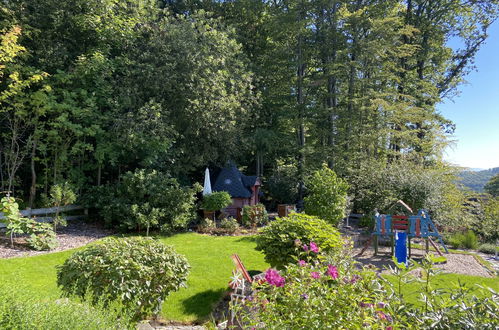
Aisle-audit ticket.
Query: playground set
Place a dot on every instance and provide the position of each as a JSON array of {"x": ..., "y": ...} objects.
[{"x": 401, "y": 229}]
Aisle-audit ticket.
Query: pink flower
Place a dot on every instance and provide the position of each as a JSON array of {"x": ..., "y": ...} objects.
[
  {"x": 332, "y": 271},
  {"x": 363, "y": 304},
  {"x": 273, "y": 278},
  {"x": 302, "y": 263},
  {"x": 315, "y": 275},
  {"x": 305, "y": 247},
  {"x": 314, "y": 248}
]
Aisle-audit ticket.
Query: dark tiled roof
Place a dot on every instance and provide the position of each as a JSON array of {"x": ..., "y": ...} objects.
[{"x": 231, "y": 180}]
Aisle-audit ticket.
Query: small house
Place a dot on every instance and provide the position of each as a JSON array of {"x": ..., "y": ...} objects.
[{"x": 243, "y": 189}]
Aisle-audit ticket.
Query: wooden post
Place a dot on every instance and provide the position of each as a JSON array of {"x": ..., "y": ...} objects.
[
  {"x": 375, "y": 245},
  {"x": 427, "y": 245},
  {"x": 393, "y": 243},
  {"x": 409, "y": 241}
]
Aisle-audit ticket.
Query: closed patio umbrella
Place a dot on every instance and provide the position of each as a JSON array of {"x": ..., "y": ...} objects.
[{"x": 207, "y": 183}]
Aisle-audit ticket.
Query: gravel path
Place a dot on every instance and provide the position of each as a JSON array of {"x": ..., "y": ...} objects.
[
  {"x": 456, "y": 263},
  {"x": 76, "y": 234}
]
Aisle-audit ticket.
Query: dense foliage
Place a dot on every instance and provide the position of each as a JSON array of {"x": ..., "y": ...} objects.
[
  {"x": 327, "y": 196},
  {"x": 216, "y": 201},
  {"x": 283, "y": 240},
  {"x": 21, "y": 309},
  {"x": 146, "y": 200},
  {"x": 254, "y": 215},
  {"x": 337, "y": 292},
  {"x": 138, "y": 272},
  {"x": 41, "y": 235},
  {"x": 91, "y": 89}
]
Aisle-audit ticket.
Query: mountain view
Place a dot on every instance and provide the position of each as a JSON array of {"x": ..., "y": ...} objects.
[{"x": 476, "y": 180}]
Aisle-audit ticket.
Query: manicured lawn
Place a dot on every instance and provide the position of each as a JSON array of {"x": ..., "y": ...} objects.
[
  {"x": 208, "y": 256},
  {"x": 411, "y": 291}
]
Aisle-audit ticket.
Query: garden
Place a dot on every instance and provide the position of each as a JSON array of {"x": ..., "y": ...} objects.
[
  {"x": 241, "y": 164},
  {"x": 162, "y": 276}
]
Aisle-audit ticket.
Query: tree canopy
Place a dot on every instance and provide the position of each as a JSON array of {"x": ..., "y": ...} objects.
[{"x": 91, "y": 89}]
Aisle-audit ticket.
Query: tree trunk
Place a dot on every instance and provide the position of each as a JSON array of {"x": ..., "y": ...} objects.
[{"x": 32, "y": 190}]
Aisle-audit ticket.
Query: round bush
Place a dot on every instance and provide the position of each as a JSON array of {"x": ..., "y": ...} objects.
[
  {"x": 216, "y": 201},
  {"x": 139, "y": 272},
  {"x": 278, "y": 241}
]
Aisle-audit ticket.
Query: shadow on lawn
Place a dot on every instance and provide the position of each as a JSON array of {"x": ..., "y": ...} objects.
[
  {"x": 246, "y": 239},
  {"x": 202, "y": 303}
]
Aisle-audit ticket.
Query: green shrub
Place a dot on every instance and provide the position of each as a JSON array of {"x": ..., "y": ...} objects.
[
  {"x": 334, "y": 290},
  {"x": 42, "y": 236},
  {"x": 367, "y": 221},
  {"x": 216, "y": 201},
  {"x": 138, "y": 272},
  {"x": 145, "y": 199},
  {"x": 466, "y": 240},
  {"x": 254, "y": 215},
  {"x": 327, "y": 196},
  {"x": 488, "y": 248},
  {"x": 21, "y": 309},
  {"x": 279, "y": 240},
  {"x": 229, "y": 224},
  {"x": 61, "y": 195},
  {"x": 330, "y": 293}
]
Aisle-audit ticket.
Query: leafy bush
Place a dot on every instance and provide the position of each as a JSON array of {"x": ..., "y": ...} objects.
[
  {"x": 488, "y": 248},
  {"x": 42, "y": 236},
  {"x": 145, "y": 199},
  {"x": 279, "y": 240},
  {"x": 61, "y": 195},
  {"x": 216, "y": 201},
  {"x": 327, "y": 195},
  {"x": 467, "y": 240},
  {"x": 311, "y": 294},
  {"x": 335, "y": 291},
  {"x": 254, "y": 215},
  {"x": 20, "y": 309},
  {"x": 138, "y": 272},
  {"x": 229, "y": 224}
]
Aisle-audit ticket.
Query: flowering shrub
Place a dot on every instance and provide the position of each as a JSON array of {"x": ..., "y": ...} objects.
[
  {"x": 279, "y": 240},
  {"x": 331, "y": 291},
  {"x": 317, "y": 293}
]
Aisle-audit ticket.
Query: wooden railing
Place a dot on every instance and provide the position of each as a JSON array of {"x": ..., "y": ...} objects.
[{"x": 42, "y": 215}]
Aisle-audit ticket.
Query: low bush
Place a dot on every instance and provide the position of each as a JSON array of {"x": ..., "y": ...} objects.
[
  {"x": 138, "y": 272},
  {"x": 309, "y": 294},
  {"x": 327, "y": 195},
  {"x": 467, "y": 240},
  {"x": 254, "y": 215},
  {"x": 41, "y": 235},
  {"x": 20, "y": 309},
  {"x": 488, "y": 248},
  {"x": 216, "y": 201},
  {"x": 333, "y": 291},
  {"x": 145, "y": 200},
  {"x": 229, "y": 224},
  {"x": 279, "y": 240}
]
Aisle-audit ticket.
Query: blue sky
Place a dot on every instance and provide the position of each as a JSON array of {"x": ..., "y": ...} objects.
[{"x": 475, "y": 111}]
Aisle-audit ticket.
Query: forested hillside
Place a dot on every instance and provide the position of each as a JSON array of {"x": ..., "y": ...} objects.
[
  {"x": 476, "y": 180},
  {"x": 91, "y": 89}
]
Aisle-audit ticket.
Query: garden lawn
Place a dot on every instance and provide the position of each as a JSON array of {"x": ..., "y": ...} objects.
[
  {"x": 209, "y": 257},
  {"x": 411, "y": 291}
]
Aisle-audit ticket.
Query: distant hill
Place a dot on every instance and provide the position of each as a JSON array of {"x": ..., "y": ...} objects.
[{"x": 476, "y": 180}]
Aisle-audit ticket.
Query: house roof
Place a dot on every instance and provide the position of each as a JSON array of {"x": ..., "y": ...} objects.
[{"x": 231, "y": 180}]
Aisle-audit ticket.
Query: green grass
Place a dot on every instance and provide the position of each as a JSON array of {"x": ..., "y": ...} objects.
[
  {"x": 208, "y": 256},
  {"x": 411, "y": 291}
]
